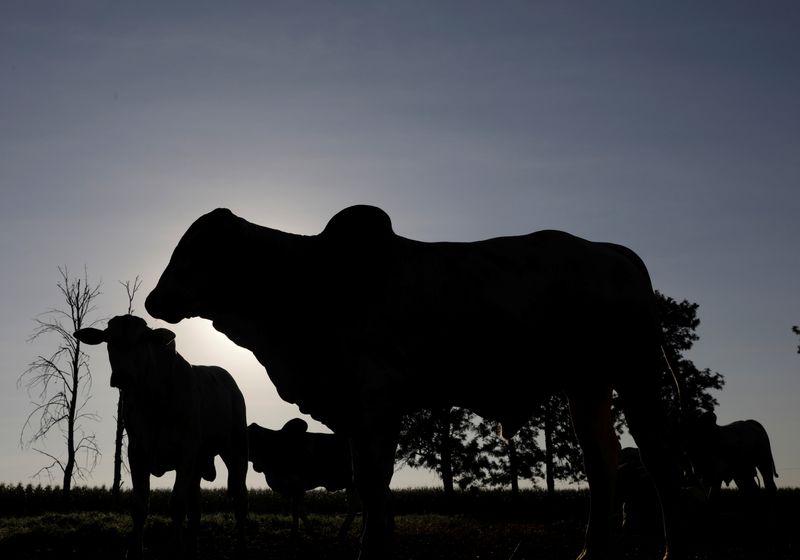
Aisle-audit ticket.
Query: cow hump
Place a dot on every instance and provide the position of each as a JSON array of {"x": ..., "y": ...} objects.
[{"x": 359, "y": 222}]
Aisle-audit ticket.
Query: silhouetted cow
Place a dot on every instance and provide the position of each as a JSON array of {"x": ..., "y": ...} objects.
[
  {"x": 294, "y": 460},
  {"x": 731, "y": 452},
  {"x": 358, "y": 325},
  {"x": 178, "y": 417}
]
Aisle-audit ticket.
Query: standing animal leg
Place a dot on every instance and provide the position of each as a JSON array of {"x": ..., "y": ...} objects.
[
  {"x": 193, "y": 514},
  {"x": 237, "y": 491},
  {"x": 648, "y": 424},
  {"x": 767, "y": 475},
  {"x": 714, "y": 489},
  {"x": 591, "y": 418},
  {"x": 352, "y": 509},
  {"x": 374, "y": 447},
  {"x": 766, "y": 466},
  {"x": 140, "y": 478},
  {"x": 298, "y": 513},
  {"x": 746, "y": 483},
  {"x": 178, "y": 504}
]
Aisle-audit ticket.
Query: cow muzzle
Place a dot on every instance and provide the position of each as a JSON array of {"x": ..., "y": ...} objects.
[{"x": 158, "y": 306}]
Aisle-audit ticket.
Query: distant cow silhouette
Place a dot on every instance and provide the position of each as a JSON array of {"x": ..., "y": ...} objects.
[
  {"x": 294, "y": 460},
  {"x": 731, "y": 452},
  {"x": 178, "y": 417},
  {"x": 358, "y": 325}
]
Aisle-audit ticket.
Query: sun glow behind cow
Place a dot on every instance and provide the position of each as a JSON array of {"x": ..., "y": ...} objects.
[{"x": 201, "y": 344}]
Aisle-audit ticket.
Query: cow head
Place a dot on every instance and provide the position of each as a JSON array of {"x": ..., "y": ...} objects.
[
  {"x": 261, "y": 445},
  {"x": 200, "y": 264},
  {"x": 134, "y": 349},
  {"x": 699, "y": 427},
  {"x": 269, "y": 448},
  {"x": 699, "y": 434}
]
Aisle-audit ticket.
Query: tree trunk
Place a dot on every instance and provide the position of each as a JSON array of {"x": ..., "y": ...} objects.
[
  {"x": 512, "y": 467},
  {"x": 446, "y": 453},
  {"x": 548, "y": 448},
  {"x": 115, "y": 487},
  {"x": 69, "y": 467}
]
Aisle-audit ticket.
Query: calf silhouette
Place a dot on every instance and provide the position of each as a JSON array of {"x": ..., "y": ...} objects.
[{"x": 294, "y": 460}]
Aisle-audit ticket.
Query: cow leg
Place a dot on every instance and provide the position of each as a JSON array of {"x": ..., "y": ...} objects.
[
  {"x": 182, "y": 492},
  {"x": 237, "y": 491},
  {"x": 648, "y": 424},
  {"x": 591, "y": 418},
  {"x": 766, "y": 468},
  {"x": 193, "y": 514},
  {"x": 294, "y": 502},
  {"x": 374, "y": 447},
  {"x": 140, "y": 479},
  {"x": 747, "y": 485},
  {"x": 767, "y": 522},
  {"x": 352, "y": 509}
]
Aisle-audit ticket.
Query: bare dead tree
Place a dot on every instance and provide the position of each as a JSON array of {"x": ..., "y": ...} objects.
[
  {"x": 60, "y": 385},
  {"x": 119, "y": 438},
  {"x": 130, "y": 289}
]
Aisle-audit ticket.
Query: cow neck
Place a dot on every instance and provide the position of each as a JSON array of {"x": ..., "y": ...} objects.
[
  {"x": 284, "y": 261},
  {"x": 266, "y": 277},
  {"x": 157, "y": 397}
]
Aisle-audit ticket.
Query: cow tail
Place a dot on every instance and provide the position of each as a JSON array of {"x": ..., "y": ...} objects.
[
  {"x": 769, "y": 449},
  {"x": 772, "y": 459},
  {"x": 675, "y": 380}
]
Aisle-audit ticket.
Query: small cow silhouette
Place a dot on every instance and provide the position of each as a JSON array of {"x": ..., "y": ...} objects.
[
  {"x": 294, "y": 460},
  {"x": 178, "y": 417}
]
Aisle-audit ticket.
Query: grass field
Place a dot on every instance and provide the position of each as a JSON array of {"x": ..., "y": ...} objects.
[{"x": 479, "y": 526}]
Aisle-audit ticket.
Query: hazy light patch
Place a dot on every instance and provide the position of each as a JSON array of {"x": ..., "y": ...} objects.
[{"x": 200, "y": 343}]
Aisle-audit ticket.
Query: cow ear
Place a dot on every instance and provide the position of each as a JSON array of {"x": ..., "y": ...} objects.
[
  {"x": 295, "y": 426},
  {"x": 91, "y": 336},
  {"x": 161, "y": 336}
]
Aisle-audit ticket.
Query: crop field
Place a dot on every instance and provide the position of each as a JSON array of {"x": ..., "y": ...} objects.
[{"x": 480, "y": 526}]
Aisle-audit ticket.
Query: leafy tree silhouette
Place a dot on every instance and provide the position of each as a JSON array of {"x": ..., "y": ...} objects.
[
  {"x": 679, "y": 324},
  {"x": 445, "y": 441}
]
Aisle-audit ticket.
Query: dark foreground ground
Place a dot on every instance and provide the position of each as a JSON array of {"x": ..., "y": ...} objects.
[{"x": 482, "y": 526}]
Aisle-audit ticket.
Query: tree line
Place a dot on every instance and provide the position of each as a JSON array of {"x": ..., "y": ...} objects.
[{"x": 462, "y": 448}]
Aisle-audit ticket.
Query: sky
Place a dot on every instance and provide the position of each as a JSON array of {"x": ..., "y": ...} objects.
[{"x": 670, "y": 127}]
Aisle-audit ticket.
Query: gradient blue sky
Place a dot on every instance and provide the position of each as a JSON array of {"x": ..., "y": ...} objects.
[{"x": 672, "y": 127}]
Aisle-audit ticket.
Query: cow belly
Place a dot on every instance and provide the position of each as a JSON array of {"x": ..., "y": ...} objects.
[{"x": 160, "y": 455}]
